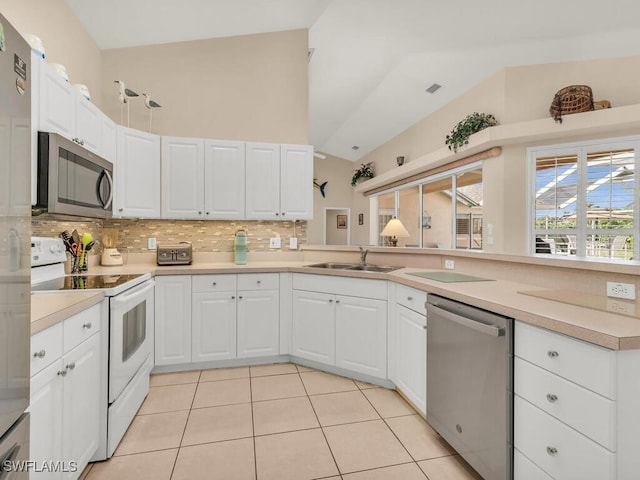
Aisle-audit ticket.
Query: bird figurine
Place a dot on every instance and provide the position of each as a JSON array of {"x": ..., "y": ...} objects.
[
  {"x": 321, "y": 186},
  {"x": 150, "y": 104},
  {"x": 124, "y": 95}
]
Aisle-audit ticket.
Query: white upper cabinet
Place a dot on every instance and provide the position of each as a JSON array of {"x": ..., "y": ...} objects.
[
  {"x": 137, "y": 175},
  {"x": 182, "y": 177},
  {"x": 109, "y": 135},
  {"x": 224, "y": 177},
  {"x": 57, "y": 103},
  {"x": 279, "y": 181},
  {"x": 88, "y": 124},
  {"x": 296, "y": 182},
  {"x": 263, "y": 181}
]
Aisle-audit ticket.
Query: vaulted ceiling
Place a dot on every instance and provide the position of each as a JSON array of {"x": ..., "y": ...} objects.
[{"x": 374, "y": 59}]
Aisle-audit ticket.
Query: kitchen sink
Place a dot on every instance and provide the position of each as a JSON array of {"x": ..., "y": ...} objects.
[{"x": 355, "y": 266}]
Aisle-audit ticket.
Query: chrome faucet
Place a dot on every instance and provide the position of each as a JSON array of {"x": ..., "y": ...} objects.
[{"x": 363, "y": 255}]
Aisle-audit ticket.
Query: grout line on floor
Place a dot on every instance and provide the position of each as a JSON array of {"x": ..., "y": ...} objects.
[
  {"x": 253, "y": 429},
  {"x": 321, "y": 429}
]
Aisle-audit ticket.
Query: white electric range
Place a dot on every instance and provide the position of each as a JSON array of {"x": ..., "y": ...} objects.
[{"x": 129, "y": 342}]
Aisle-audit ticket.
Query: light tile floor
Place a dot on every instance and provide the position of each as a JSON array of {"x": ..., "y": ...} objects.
[{"x": 281, "y": 422}]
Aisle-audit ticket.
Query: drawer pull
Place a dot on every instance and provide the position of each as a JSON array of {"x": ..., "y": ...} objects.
[
  {"x": 409, "y": 298},
  {"x": 214, "y": 284},
  {"x": 87, "y": 325},
  {"x": 233, "y": 297},
  {"x": 552, "y": 450},
  {"x": 551, "y": 397},
  {"x": 40, "y": 354},
  {"x": 424, "y": 327},
  {"x": 552, "y": 353},
  {"x": 71, "y": 366},
  {"x": 337, "y": 301},
  {"x": 258, "y": 282},
  {"x": 331, "y": 300},
  {"x": 62, "y": 373},
  {"x": 240, "y": 297}
]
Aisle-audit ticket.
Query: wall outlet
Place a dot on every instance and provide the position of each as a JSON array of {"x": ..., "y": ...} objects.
[
  {"x": 151, "y": 243},
  {"x": 621, "y": 290},
  {"x": 274, "y": 242},
  {"x": 449, "y": 264},
  {"x": 293, "y": 243}
]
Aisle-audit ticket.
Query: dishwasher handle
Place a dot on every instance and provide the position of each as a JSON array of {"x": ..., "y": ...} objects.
[{"x": 492, "y": 330}]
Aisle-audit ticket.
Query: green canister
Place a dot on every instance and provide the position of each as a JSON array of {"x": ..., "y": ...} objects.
[{"x": 240, "y": 247}]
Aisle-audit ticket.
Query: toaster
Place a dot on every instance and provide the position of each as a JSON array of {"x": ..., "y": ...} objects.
[{"x": 175, "y": 254}]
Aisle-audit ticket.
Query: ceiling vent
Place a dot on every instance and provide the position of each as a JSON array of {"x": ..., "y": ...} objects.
[
  {"x": 310, "y": 54},
  {"x": 434, "y": 88}
]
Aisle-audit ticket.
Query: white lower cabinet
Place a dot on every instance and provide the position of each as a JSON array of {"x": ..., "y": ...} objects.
[
  {"x": 361, "y": 335},
  {"x": 314, "y": 326},
  {"x": 173, "y": 319},
  {"x": 213, "y": 326},
  {"x": 575, "y": 408},
  {"x": 205, "y": 318},
  {"x": 65, "y": 394},
  {"x": 411, "y": 356},
  {"x": 348, "y": 331}
]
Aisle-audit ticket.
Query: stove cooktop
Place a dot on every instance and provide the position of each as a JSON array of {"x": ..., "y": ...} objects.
[{"x": 84, "y": 282}]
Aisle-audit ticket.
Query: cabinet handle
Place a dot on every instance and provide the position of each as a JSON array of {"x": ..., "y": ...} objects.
[
  {"x": 258, "y": 282},
  {"x": 208, "y": 213},
  {"x": 40, "y": 354},
  {"x": 337, "y": 301},
  {"x": 214, "y": 283},
  {"x": 283, "y": 214},
  {"x": 424, "y": 327},
  {"x": 552, "y": 450},
  {"x": 71, "y": 366},
  {"x": 552, "y": 354},
  {"x": 240, "y": 297},
  {"x": 551, "y": 397},
  {"x": 87, "y": 325},
  {"x": 199, "y": 213},
  {"x": 62, "y": 373},
  {"x": 233, "y": 297},
  {"x": 409, "y": 298},
  {"x": 120, "y": 209},
  {"x": 331, "y": 300}
]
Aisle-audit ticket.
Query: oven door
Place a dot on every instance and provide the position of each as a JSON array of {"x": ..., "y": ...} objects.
[{"x": 130, "y": 335}]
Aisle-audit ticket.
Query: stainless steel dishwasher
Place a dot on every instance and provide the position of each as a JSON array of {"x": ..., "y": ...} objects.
[{"x": 470, "y": 384}]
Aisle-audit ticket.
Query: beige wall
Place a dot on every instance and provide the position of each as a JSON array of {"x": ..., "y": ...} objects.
[
  {"x": 335, "y": 235},
  {"x": 512, "y": 95},
  {"x": 65, "y": 40},
  {"x": 252, "y": 87}
]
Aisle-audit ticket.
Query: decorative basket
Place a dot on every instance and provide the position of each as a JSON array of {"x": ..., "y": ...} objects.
[{"x": 571, "y": 99}]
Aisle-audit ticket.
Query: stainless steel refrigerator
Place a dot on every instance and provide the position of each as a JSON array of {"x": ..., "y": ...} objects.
[{"x": 15, "y": 238}]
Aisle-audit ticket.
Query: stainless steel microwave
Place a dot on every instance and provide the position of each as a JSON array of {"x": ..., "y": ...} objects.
[{"x": 71, "y": 179}]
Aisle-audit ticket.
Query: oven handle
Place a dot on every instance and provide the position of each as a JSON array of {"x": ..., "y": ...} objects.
[
  {"x": 137, "y": 292},
  {"x": 465, "y": 322}
]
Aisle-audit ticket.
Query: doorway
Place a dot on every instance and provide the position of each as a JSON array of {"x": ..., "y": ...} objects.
[{"x": 337, "y": 226}]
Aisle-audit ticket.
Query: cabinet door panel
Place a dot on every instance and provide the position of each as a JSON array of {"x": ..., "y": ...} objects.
[
  {"x": 262, "y": 181},
  {"x": 411, "y": 356},
  {"x": 214, "y": 326},
  {"x": 182, "y": 177},
  {"x": 57, "y": 110},
  {"x": 88, "y": 124},
  {"x": 173, "y": 320},
  {"x": 361, "y": 335},
  {"x": 137, "y": 174},
  {"x": 81, "y": 402},
  {"x": 46, "y": 418},
  {"x": 314, "y": 327},
  {"x": 258, "y": 323},
  {"x": 224, "y": 172},
  {"x": 296, "y": 182}
]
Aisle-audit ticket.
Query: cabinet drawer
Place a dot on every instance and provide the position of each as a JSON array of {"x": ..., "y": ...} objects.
[
  {"x": 411, "y": 298},
  {"x": 525, "y": 469},
  {"x": 558, "y": 449},
  {"x": 46, "y": 346},
  {"x": 587, "y": 412},
  {"x": 258, "y": 281},
  {"x": 585, "y": 364},
  {"x": 81, "y": 326},
  {"x": 213, "y": 283},
  {"x": 350, "y": 286}
]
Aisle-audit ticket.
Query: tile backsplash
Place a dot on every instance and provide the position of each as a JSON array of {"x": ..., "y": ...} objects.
[{"x": 205, "y": 235}]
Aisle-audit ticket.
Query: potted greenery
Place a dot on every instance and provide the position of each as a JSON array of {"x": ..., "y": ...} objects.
[
  {"x": 365, "y": 171},
  {"x": 473, "y": 123}
]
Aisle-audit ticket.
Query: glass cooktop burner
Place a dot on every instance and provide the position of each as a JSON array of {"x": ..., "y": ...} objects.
[{"x": 84, "y": 282}]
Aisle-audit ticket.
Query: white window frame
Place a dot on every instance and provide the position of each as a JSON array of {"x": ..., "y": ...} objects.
[{"x": 580, "y": 149}]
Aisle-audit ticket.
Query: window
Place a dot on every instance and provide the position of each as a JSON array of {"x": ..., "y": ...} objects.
[
  {"x": 584, "y": 202},
  {"x": 433, "y": 214}
]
